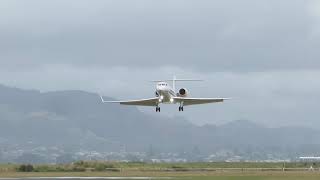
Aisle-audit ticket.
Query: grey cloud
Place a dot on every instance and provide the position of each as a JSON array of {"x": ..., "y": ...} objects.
[
  {"x": 207, "y": 35},
  {"x": 266, "y": 52}
]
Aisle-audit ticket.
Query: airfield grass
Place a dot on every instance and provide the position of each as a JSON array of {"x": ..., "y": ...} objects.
[
  {"x": 191, "y": 171},
  {"x": 102, "y": 165}
]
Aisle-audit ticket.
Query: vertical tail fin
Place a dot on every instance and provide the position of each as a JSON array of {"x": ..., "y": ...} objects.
[{"x": 174, "y": 83}]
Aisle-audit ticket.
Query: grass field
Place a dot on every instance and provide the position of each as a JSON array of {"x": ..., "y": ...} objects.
[
  {"x": 191, "y": 171},
  {"x": 102, "y": 165}
]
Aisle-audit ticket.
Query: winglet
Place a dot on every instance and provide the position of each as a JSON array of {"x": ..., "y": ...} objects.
[{"x": 102, "y": 100}]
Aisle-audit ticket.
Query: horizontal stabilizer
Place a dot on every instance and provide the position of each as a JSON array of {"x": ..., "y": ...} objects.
[{"x": 176, "y": 80}]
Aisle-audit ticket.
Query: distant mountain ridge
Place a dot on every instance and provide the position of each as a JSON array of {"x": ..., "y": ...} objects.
[{"x": 78, "y": 119}]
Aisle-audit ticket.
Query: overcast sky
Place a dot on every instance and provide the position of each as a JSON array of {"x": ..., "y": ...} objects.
[{"x": 264, "y": 54}]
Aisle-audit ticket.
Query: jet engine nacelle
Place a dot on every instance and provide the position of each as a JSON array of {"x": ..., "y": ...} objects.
[{"x": 182, "y": 92}]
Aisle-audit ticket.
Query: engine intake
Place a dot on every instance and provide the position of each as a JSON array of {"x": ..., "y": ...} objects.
[{"x": 183, "y": 92}]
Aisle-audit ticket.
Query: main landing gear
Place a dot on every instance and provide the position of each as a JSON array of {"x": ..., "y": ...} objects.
[{"x": 157, "y": 109}]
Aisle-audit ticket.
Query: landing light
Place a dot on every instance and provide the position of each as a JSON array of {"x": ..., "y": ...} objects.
[
  {"x": 161, "y": 97},
  {"x": 171, "y": 100}
]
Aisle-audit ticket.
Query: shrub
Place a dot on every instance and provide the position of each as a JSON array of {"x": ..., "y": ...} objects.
[{"x": 25, "y": 168}]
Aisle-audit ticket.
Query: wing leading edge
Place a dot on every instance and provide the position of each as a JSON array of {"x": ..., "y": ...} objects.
[
  {"x": 139, "y": 102},
  {"x": 194, "y": 101}
]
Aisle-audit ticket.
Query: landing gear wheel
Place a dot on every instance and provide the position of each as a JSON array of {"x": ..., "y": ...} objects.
[
  {"x": 180, "y": 108},
  {"x": 157, "y": 109}
]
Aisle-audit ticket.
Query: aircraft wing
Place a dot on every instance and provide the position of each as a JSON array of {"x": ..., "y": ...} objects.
[
  {"x": 193, "y": 101},
  {"x": 139, "y": 102}
]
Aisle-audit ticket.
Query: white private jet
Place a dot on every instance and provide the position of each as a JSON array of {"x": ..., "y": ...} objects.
[{"x": 167, "y": 95}]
